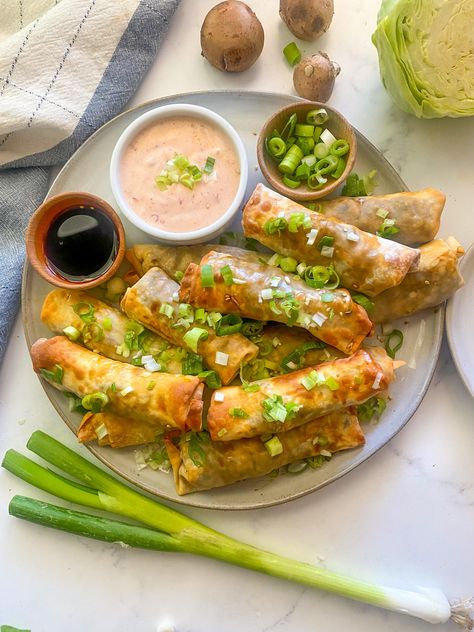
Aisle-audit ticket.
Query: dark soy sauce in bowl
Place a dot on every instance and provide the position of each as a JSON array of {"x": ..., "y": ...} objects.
[{"x": 81, "y": 243}]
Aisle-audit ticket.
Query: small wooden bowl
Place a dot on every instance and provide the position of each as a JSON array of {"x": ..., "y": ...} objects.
[
  {"x": 41, "y": 222},
  {"x": 336, "y": 124}
]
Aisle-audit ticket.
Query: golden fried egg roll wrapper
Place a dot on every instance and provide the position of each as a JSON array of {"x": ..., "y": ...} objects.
[
  {"x": 142, "y": 302},
  {"x": 58, "y": 313},
  {"x": 241, "y": 413},
  {"x": 171, "y": 259},
  {"x": 416, "y": 214},
  {"x": 364, "y": 262},
  {"x": 160, "y": 399},
  {"x": 221, "y": 463},
  {"x": 114, "y": 431},
  {"x": 436, "y": 278},
  {"x": 338, "y": 321}
]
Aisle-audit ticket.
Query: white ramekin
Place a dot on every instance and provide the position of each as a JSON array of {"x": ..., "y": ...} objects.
[{"x": 166, "y": 111}]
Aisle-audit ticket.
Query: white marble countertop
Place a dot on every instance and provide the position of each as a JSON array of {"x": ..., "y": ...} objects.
[{"x": 403, "y": 518}]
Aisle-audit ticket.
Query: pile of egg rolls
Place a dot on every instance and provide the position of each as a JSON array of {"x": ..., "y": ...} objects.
[{"x": 286, "y": 386}]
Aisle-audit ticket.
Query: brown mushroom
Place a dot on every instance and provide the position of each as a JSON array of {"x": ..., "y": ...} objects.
[
  {"x": 307, "y": 19},
  {"x": 231, "y": 36},
  {"x": 314, "y": 77}
]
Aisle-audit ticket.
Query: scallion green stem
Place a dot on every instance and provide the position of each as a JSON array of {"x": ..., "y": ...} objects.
[{"x": 173, "y": 531}]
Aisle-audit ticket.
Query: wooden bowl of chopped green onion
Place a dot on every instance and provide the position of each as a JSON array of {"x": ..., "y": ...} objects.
[{"x": 306, "y": 150}]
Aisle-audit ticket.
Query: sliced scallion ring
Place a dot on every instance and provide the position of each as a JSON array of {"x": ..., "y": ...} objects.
[
  {"x": 207, "y": 275},
  {"x": 95, "y": 402},
  {"x": 192, "y": 337},
  {"x": 394, "y": 342},
  {"x": 229, "y": 324},
  {"x": 292, "y": 53},
  {"x": 317, "y": 117}
]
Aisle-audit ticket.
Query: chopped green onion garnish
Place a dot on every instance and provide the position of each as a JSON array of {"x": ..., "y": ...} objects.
[
  {"x": 332, "y": 383},
  {"x": 288, "y": 264},
  {"x": 56, "y": 375},
  {"x": 326, "y": 241},
  {"x": 296, "y": 357},
  {"x": 178, "y": 275},
  {"x": 340, "y": 147},
  {"x": 192, "y": 337},
  {"x": 107, "y": 324},
  {"x": 251, "y": 328},
  {"x": 304, "y": 130},
  {"x": 289, "y": 128},
  {"x": 226, "y": 273},
  {"x": 209, "y": 166},
  {"x": 364, "y": 302},
  {"x": 275, "y": 225},
  {"x": 394, "y": 342},
  {"x": 296, "y": 221},
  {"x": 387, "y": 229},
  {"x": 292, "y": 53},
  {"x": 276, "y": 147},
  {"x": 320, "y": 151},
  {"x": 191, "y": 364},
  {"x": 72, "y": 333},
  {"x": 317, "y": 117},
  {"x": 186, "y": 311},
  {"x": 372, "y": 407},
  {"x": 207, "y": 275},
  {"x": 200, "y": 315},
  {"x": 290, "y": 182},
  {"x": 181, "y": 161},
  {"x": 150, "y": 386},
  {"x": 251, "y": 388},
  {"x": 113, "y": 387},
  {"x": 92, "y": 332},
  {"x": 274, "y": 446},
  {"x": 339, "y": 170},
  {"x": 213, "y": 318},
  {"x": 291, "y": 160},
  {"x": 238, "y": 412},
  {"x": 85, "y": 311},
  {"x": 167, "y": 310},
  {"x": 229, "y": 324},
  {"x": 382, "y": 213},
  {"x": 95, "y": 402},
  {"x": 211, "y": 378},
  {"x": 275, "y": 410}
]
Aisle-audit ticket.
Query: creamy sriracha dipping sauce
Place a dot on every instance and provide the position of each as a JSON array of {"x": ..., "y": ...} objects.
[{"x": 180, "y": 173}]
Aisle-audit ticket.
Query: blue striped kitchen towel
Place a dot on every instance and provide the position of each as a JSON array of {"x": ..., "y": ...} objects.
[{"x": 66, "y": 67}]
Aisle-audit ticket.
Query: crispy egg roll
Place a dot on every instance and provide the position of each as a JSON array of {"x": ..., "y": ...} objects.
[
  {"x": 58, "y": 313},
  {"x": 115, "y": 431},
  {"x": 218, "y": 463},
  {"x": 436, "y": 278},
  {"x": 364, "y": 262},
  {"x": 235, "y": 413},
  {"x": 160, "y": 399},
  {"x": 416, "y": 214},
  {"x": 142, "y": 302},
  {"x": 170, "y": 259},
  {"x": 263, "y": 292}
]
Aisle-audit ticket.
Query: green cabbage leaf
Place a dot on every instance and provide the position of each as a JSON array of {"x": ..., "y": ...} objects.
[{"x": 426, "y": 55}]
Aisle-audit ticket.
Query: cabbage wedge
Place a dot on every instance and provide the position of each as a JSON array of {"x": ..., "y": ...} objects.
[{"x": 426, "y": 55}]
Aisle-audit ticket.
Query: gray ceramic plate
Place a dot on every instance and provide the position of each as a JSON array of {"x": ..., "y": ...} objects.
[{"x": 87, "y": 170}]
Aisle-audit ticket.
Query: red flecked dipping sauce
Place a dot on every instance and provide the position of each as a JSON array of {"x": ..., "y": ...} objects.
[{"x": 178, "y": 208}]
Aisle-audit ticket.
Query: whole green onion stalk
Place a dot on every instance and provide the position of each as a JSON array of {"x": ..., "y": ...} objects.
[{"x": 173, "y": 531}]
